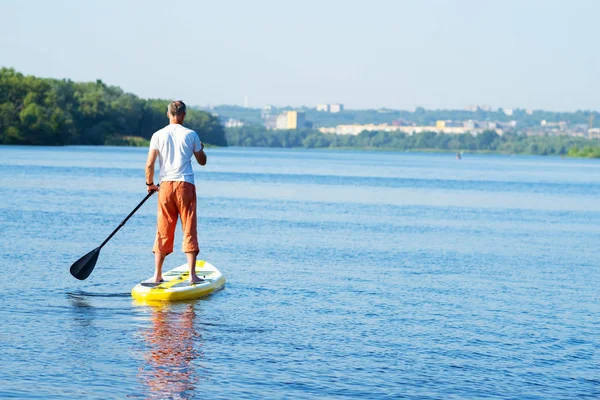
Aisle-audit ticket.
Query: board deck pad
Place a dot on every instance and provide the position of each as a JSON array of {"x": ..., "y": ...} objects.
[
  {"x": 179, "y": 283},
  {"x": 150, "y": 284},
  {"x": 176, "y": 285}
]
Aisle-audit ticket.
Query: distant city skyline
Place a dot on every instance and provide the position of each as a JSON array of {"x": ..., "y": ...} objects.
[{"x": 436, "y": 54}]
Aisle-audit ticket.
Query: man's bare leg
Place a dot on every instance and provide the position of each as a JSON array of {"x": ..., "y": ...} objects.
[
  {"x": 159, "y": 259},
  {"x": 191, "y": 259}
]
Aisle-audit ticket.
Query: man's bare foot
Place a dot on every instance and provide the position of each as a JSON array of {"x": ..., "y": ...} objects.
[
  {"x": 156, "y": 280},
  {"x": 195, "y": 279}
]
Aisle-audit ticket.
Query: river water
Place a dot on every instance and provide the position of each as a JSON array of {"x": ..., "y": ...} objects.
[{"x": 349, "y": 275}]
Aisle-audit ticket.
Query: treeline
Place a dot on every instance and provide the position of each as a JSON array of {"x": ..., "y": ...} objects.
[
  {"x": 488, "y": 141},
  {"x": 41, "y": 111},
  {"x": 585, "y": 152},
  {"x": 420, "y": 116}
]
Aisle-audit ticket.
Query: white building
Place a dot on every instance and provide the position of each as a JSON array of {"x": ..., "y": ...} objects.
[
  {"x": 282, "y": 121},
  {"x": 328, "y": 130},
  {"x": 233, "y": 123},
  {"x": 469, "y": 124},
  {"x": 336, "y": 108},
  {"x": 270, "y": 121},
  {"x": 594, "y": 133},
  {"x": 332, "y": 108}
]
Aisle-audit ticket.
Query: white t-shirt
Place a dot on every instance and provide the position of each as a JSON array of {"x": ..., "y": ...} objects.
[{"x": 176, "y": 145}]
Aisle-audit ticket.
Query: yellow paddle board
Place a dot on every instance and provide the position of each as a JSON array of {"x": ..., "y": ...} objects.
[{"x": 176, "y": 285}]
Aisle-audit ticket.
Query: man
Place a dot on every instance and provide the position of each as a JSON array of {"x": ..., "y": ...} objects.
[{"x": 174, "y": 146}]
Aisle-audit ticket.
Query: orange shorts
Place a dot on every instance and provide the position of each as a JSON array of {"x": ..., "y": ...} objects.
[{"x": 176, "y": 199}]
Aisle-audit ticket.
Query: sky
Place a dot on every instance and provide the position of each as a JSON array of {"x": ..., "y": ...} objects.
[{"x": 401, "y": 54}]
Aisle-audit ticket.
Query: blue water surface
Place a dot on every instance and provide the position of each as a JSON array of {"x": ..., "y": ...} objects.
[{"x": 349, "y": 275}]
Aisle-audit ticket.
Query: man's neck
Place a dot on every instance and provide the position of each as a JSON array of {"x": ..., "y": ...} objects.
[{"x": 175, "y": 121}]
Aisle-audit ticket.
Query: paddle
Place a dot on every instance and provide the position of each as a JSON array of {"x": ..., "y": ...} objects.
[{"x": 83, "y": 267}]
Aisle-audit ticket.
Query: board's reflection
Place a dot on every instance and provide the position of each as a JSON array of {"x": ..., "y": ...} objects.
[{"x": 172, "y": 357}]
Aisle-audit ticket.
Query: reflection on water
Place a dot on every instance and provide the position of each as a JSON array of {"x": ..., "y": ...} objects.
[
  {"x": 171, "y": 359},
  {"x": 78, "y": 301},
  {"x": 83, "y": 317}
]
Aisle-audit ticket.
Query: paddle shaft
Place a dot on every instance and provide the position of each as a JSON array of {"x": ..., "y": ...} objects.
[{"x": 125, "y": 220}]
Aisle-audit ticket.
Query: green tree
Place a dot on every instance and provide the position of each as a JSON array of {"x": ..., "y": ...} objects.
[
  {"x": 486, "y": 140},
  {"x": 56, "y": 112}
]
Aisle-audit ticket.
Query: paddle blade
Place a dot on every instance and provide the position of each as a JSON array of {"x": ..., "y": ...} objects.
[{"x": 83, "y": 267}]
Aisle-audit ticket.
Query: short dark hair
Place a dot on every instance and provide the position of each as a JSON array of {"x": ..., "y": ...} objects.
[{"x": 176, "y": 107}]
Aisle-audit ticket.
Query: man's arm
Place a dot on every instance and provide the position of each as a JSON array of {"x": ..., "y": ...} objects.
[
  {"x": 200, "y": 155},
  {"x": 152, "y": 155}
]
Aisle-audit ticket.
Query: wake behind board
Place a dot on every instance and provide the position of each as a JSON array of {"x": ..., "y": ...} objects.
[{"x": 176, "y": 285}]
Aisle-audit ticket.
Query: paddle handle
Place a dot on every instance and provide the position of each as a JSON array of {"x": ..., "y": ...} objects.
[{"x": 125, "y": 220}]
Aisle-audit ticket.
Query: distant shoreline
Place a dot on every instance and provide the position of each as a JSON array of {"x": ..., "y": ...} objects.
[{"x": 137, "y": 144}]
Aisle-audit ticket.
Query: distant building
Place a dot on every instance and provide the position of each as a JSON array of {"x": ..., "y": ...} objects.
[
  {"x": 270, "y": 121},
  {"x": 291, "y": 120},
  {"x": 336, "y": 108},
  {"x": 266, "y": 111},
  {"x": 474, "y": 108},
  {"x": 508, "y": 111},
  {"x": 296, "y": 119},
  {"x": 332, "y": 108},
  {"x": 506, "y": 126},
  {"x": 448, "y": 123},
  {"x": 469, "y": 125},
  {"x": 560, "y": 124},
  {"x": 233, "y": 123},
  {"x": 328, "y": 130},
  {"x": 281, "y": 121},
  {"x": 594, "y": 133}
]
